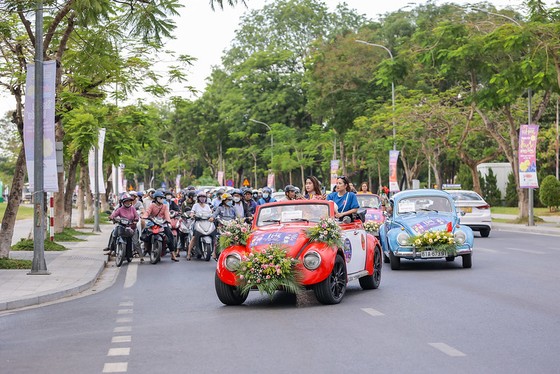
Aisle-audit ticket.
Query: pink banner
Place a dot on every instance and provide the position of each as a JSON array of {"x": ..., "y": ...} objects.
[
  {"x": 393, "y": 183},
  {"x": 528, "y": 156},
  {"x": 335, "y": 165}
]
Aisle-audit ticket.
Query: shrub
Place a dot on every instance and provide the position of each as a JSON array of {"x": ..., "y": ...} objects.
[
  {"x": 549, "y": 192},
  {"x": 511, "y": 191}
]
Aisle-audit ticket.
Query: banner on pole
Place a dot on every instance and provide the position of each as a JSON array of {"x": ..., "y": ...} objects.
[
  {"x": 221, "y": 178},
  {"x": 528, "y": 156},
  {"x": 91, "y": 164},
  {"x": 178, "y": 183},
  {"x": 335, "y": 165},
  {"x": 270, "y": 180},
  {"x": 50, "y": 178},
  {"x": 393, "y": 183}
]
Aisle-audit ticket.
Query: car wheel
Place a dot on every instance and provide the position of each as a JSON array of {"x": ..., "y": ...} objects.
[
  {"x": 395, "y": 261},
  {"x": 371, "y": 282},
  {"x": 228, "y": 295},
  {"x": 467, "y": 261},
  {"x": 333, "y": 288},
  {"x": 485, "y": 233}
]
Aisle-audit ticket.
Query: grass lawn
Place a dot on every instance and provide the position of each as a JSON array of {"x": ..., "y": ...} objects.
[
  {"x": 27, "y": 245},
  {"x": 8, "y": 263},
  {"x": 515, "y": 211},
  {"x": 24, "y": 212}
]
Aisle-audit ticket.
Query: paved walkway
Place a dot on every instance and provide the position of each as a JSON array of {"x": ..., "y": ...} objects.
[{"x": 77, "y": 269}]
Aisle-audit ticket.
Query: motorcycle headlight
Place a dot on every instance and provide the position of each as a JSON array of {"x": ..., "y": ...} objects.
[
  {"x": 311, "y": 260},
  {"x": 402, "y": 238},
  {"x": 232, "y": 261},
  {"x": 460, "y": 237}
]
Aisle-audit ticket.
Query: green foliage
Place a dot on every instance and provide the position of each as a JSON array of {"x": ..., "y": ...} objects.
[
  {"x": 490, "y": 190},
  {"x": 511, "y": 199},
  {"x": 7, "y": 263},
  {"x": 549, "y": 192},
  {"x": 464, "y": 177},
  {"x": 27, "y": 245}
]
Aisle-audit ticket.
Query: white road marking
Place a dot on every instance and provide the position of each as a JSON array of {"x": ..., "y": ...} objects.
[
  {"x": 115, "y": 367},
  {"x": 121, "y": 339},
  {"x": 124, "y": 320},
  {"x": 373, "y": 312},
  {"x": 119, "y": 352},
  {"x": 123, "y": 329},
  {"x": 131, "y": 274},
  {"x": 124, "y": 311},
  {"x": 126, "y": 303},
  {"x": 527, "y": 251},
  {"x": 448, "y": 350}
]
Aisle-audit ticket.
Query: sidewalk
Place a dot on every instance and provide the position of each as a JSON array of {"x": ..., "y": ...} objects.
[
  {"x": 550, "y": 226},
  {"x": 71, "y": 272}
]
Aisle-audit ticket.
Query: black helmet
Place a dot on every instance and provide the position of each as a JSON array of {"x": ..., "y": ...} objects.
[
  {"x": 289, "y": 188},
  {"x": 191, "y": 194}
]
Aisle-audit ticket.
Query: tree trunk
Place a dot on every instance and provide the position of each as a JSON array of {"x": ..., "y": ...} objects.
[
  {"x": 70, "y": 187},
  {"x": 14, "y": 200},
  {"x": 80, "y": 203}
]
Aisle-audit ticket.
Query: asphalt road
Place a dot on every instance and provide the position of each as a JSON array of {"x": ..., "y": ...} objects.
[{"x": 501, "y": 316}]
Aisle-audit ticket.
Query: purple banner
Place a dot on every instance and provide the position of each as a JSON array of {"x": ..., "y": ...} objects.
[
  {"x": 50, "y": 178},
  {"x": 422, "y": 227},
  {"x": 286, "y": 238},
  {"x": 528, "y": 156}
]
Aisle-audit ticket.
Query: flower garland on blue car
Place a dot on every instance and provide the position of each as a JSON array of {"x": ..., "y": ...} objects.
[
  {"x": 441, "y": 241},
  {"x": 327, "y": 231},
  {"x": 268, "y": 270}
]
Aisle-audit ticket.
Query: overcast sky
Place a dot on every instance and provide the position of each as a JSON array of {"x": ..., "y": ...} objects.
[{"x": 205, "y": 34}]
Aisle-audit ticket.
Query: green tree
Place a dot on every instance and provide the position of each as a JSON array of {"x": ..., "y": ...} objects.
[
  {"x": 490, "y": 192},
  {"x": 511, "y": 191},
  {"x": 549, "y": 192}
]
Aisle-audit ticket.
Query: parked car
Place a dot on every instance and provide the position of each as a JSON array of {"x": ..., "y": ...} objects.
[
  {"x": 323, "y": 268},
  {"x": 279, "y": 196},
  {"x": 371, "y": 203},
  {"x": 416, "y": 212},
  {"x": 476, "y": 210}
]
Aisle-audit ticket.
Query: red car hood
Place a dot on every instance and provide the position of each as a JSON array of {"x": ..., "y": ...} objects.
[{"x": 292, "y": 237}]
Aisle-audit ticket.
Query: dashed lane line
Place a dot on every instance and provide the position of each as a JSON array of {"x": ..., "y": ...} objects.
[
  {"x": 124, "y": 311},
  {"x": 119, "y": 352},
  {"x": 124, "y": 320},
  {"x": 530, "y": 251},
  {"x": 121, "y": 339},
  {"x": 448, "y": 350},
  {"x": 131, "y": 274},
  {"x": 122, "y": 329},
  {"x": 115, "y": 367},
  {"x": 373, "y": 312}
]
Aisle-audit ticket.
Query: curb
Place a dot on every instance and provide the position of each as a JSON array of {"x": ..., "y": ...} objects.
[{"x": 534, "y": 230}]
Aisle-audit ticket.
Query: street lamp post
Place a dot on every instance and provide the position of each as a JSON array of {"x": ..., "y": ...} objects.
[
  {"x": 271, "y": 140},
  {"x": 392, "y": 88},
  {"x": 531, "y": 218}
]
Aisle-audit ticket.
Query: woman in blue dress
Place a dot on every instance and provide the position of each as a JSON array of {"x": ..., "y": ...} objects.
[{"x": 345, "y": 200}]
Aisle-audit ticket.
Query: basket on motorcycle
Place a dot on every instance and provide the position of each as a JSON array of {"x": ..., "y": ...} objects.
[{"x": 125, "y": 232}]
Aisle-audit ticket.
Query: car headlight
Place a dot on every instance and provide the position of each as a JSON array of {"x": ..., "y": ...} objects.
[
  {"x": 311, "y": 260},
  {"x": 232, "y": 261},
  {"x": 402, "y": 238},
  {"x": 460, "y": 237}
]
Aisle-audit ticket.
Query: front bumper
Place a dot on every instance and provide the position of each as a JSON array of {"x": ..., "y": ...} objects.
[{"x": 411, "y": 252}]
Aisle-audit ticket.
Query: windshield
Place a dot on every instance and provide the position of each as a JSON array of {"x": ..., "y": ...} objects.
[
  {"x": 472, "y": 196},
  {"x": 424, "y": 204},
  {"x": 269, "y": 215},
  {"x": 369, "y": 201}
]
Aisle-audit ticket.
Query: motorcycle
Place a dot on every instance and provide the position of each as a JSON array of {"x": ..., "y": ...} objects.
[
  {"x": 154, "y": 239},
  {"x": 185, "y": 231},
  {"x": 203, "y": 225},
  {"x": 174, "y": 225},
  {"x": 123, "y": 233}
]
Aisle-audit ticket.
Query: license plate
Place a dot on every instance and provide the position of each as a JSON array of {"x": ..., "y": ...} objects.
[
  {"x": 431, "y": 254},
  {"x": 467, "y": 209}
]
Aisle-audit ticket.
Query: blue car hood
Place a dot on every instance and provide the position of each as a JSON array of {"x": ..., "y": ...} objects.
[{"x": 419, "y": 223}]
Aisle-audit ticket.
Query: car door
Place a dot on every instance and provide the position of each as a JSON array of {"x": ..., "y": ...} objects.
[{"x": 354, "y": 246}]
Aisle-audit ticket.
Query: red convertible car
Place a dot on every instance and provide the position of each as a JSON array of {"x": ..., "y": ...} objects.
[{"x": 326, "y": 269}]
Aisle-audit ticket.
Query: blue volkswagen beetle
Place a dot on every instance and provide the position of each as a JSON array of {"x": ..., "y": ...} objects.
[{"x": 424, "y": 224}]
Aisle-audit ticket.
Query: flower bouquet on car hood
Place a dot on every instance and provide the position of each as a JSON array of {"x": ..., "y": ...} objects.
[
  {"x": 442, "y": 241},
  {"x": 327, "y": 231},
  {"x": 233, "y": 233},
  {"x": 268, "y": 270}
]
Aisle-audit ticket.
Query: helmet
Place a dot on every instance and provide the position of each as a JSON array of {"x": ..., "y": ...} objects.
[
  {"x": 267, "y": 189},
  {"x": 247, "y": 191},
  {"x": 226, "y": 196},
  {"x": 140, "y": 194},
  {"x": 191, "y": 194},
  {"x": 289, "y": 188},
  {"x": 236, "y": 191},
  {"x": 297, "y": 189},
  {"x": 158, "y": 194},
  {"x": 126, "y": 197},
  {"x": 150, "y": 190},
  {"x": 191, "y": 188},
  {"x": 169, "y": 193},
  {"x": 201, "y": 193},
  {"x": 133, "y": 193}
]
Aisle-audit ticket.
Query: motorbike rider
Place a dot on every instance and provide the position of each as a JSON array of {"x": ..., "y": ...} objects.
[
  {"x": 147, "y": 200},
  {"x": 189, "y": 202},
  {"x": 218, "y": 200},
  {"x": 171, "y": 201},
  {"x": 256, "y": 196},
  {"x": 249, "y": 203},
  {"x": 137, "y": 204},
  {"x": 126, "y": 211},
  {"x": 161, "y": 210},
  {"x": 201, "y": 207},
  {"x": 240, "y": 209},
  {"x": 266, "y": 196},
  {"x": 290, "y": 192}
]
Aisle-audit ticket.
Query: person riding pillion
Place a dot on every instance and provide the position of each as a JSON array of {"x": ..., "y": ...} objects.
[
  {"x": 158, "y": 209},
  {"x": 266, "y": 197}
]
